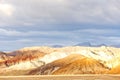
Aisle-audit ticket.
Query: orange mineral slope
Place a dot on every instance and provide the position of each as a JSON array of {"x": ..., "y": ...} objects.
[
  {"x": 72, "y": 64},
  {"x": 115, "y": 70}
]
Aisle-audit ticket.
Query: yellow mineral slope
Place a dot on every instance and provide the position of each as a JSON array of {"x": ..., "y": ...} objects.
[
  {"x": 72, "y": 64},
  {"x": 115, "y": 70},
  {"x": 65, "y": 60}
]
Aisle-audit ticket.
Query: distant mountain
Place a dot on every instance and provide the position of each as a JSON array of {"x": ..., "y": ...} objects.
[
  {"x": 57, "y": 46},
  {"x": 87, "y": 44},
  {"x": 99, "y": 45},
  {"x": 117, "y": 45}
]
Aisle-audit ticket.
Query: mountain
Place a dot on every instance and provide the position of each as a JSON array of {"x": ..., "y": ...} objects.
[
  {"x": 99, "y": 45},
  {"x": 58, "y": 61},
  {"x": 3, "y": 56},
  {"x": 87, "y": 44},
  {"x": 116, "y": 45},
  {"x": 56, "y": 46},
  {"x": 73, "y": 64},
  {"x": 24, "y": 60}
]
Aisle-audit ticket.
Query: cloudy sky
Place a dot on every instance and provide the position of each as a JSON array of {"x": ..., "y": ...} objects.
[{"x": 67, "y": 22}]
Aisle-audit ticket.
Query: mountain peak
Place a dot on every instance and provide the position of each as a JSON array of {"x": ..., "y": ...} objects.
[{"x": 87, "y": 44}]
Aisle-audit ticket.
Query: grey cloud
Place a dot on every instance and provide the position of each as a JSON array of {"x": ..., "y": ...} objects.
[
  {"x": 32, "y": 12},
  {"x": 40, "y": 22}
]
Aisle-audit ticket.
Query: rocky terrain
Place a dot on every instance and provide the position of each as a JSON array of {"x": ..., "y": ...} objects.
[{"x": 73, "y": 60}]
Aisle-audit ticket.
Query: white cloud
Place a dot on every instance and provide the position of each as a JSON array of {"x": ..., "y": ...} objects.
[
  {"x": 100, "y": 31},
  {"x": 6, "y": 9},
  {"x": 25, "y": 20},
  {"x": 31, "y": 12},
  {"x": 5, "y": 32},
  {"x": 14, "y": 33}
]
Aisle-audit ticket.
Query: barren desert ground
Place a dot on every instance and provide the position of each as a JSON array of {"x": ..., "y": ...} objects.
[{"x": 61, "y": 77}]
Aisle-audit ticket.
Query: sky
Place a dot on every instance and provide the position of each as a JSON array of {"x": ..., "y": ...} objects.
[{"x": 25, "y": 23}]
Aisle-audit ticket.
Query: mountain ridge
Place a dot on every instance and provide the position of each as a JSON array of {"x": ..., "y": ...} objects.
[{"x": 35, "y": 57}]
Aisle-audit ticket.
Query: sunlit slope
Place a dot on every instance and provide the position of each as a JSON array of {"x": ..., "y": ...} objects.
[
  {"x": 115, "y": 70},
  {"x": 4, "y": 56},
  {"x": 65, "y": 60},
  {"x": 72, "y": 64}
]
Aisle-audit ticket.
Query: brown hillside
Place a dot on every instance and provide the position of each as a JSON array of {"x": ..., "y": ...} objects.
[
  {"x": 3, "y": 56},
  {"x": 22, "y": 56},
  {"x": 73, "y": 64}
]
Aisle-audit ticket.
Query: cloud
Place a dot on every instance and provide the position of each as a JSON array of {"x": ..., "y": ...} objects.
[
  {"x": 18, "y": 39},
  {"x": 105, "y": 32},
  {"x": 6, "y": 9},
  {"x": 6, "y": 32},
  {"x": 40, "y": 12},
  {"x": 39, "y": 22},
  {"x": 75, "y": 35}
]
